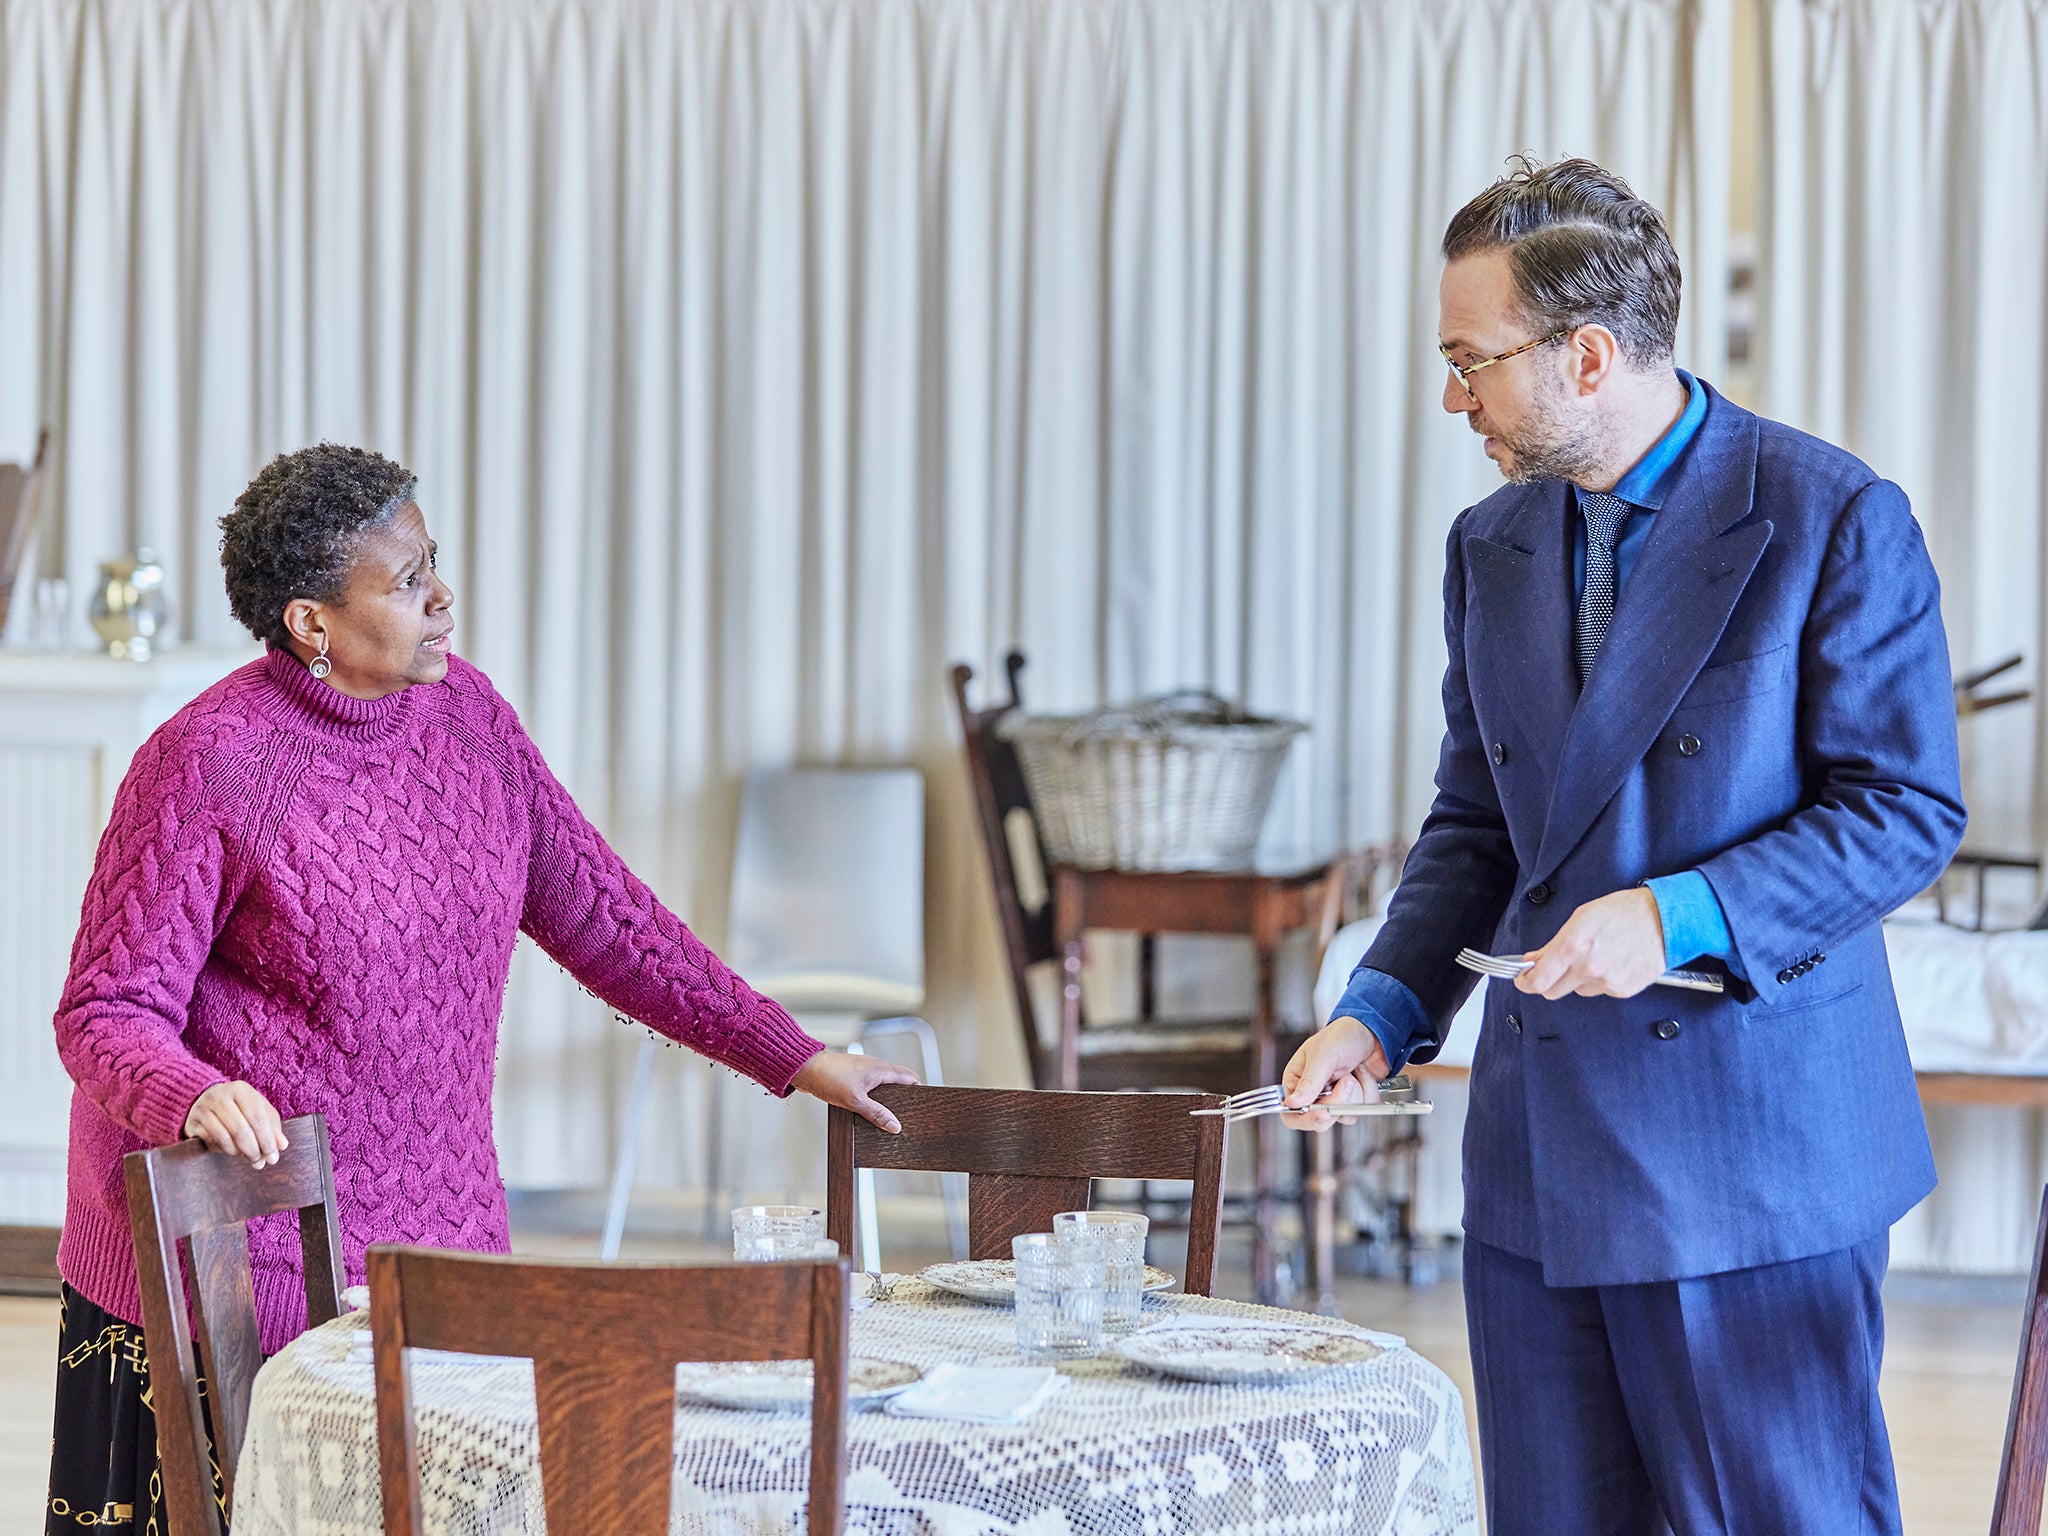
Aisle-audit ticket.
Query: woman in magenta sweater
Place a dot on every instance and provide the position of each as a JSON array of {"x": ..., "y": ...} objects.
[{"x": 305, "y": 901}]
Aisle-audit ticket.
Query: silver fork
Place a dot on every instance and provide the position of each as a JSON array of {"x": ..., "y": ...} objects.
[
  {"x": 1507, "y": 967},
  {"x": 1254, "y": 1101},
  {"x": 1270, "y": 1100}
]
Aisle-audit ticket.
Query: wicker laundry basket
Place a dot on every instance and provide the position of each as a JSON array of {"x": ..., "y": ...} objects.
[{"x": 1179, "y": 782}]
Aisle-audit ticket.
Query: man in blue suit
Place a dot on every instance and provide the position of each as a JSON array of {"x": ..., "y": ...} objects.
[{"x": 1698, "y": 713}]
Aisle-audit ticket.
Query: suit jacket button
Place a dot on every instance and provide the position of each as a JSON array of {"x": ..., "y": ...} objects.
[
  {"x": 1665, "y": 1029},
  {"x": 1538, "y": 894},
  {"x": 1514, "y": 1022},
  {"x": 1688, "y": 745},
  {"x": 1787, "y": 976},
  {"x": 1500, "y": 753}
]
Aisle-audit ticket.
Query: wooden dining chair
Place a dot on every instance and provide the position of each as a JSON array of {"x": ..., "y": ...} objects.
[
  {"x": 2023, "y": 1468},
  {"x": 185, "y": 1196},
  {"x": 605, "y": 1340},
  {"x": 1029, "y": 1154},
  {"x": 20, "y": 505},
  {"x": 1148, "y": 1053}
]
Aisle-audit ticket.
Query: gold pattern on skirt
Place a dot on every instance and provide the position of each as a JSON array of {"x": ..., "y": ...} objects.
[{"x": 120, "y": 1350}]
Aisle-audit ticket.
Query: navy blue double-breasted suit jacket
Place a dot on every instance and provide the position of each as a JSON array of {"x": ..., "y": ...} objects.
[{"x": 1772, "y": 706}]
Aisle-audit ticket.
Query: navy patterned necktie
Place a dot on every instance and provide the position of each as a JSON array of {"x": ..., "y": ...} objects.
[{"x": 1604, "y": 516}]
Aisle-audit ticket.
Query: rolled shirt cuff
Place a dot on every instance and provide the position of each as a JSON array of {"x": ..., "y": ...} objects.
[
  {"x": 1695, "y": 927},
  {"x": 1386, "y": 1007}
]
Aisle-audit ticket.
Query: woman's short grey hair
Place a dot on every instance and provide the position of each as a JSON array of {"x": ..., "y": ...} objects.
[
  {"x": 1584, "y": 250},
  {"x": 295, "y": 529}
]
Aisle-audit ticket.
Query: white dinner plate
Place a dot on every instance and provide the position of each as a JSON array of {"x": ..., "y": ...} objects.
[
  {"x": 785, "y": 1385},
  {"x": 995, "y": 1280},
  {"x": 1242, "y": 1351}
]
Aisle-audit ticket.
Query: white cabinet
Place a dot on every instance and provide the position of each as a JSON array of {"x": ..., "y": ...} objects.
[{"x": 68, "y": 726}]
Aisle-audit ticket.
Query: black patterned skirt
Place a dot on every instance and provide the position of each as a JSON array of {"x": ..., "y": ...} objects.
[{"x": 104, "y": 1471}]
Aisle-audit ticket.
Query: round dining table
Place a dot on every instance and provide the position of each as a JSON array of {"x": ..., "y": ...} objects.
[{"x": 1375, "y": 1447}]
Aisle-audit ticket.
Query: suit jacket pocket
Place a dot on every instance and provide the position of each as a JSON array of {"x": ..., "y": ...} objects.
[
  {"x": 1796, "y": 1005},
  {"x": 1740, "y": 679}
]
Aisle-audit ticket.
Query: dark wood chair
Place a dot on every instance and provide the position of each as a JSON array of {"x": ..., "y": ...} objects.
[
  {"x": 605, "y": 1340},
  {"x": 1218, "y": 1056},
  {"x": 185, "y": 1196},
  {"x": 1046, "y": 910},
  {"x": 20, "y": 504},
  {"x": 2023, "y": 1468},
  {"x": 1029, "y": 1154}
]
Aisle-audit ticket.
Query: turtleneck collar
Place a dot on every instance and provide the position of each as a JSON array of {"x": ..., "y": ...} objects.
[{"x": 326, "y": 710}]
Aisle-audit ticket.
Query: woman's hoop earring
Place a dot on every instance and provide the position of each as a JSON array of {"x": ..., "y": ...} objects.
[{"x": 320, "y": 665}]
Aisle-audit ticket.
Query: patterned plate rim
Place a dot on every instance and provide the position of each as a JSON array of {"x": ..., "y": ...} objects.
[
  {"x": 1004, "y": 1289},
  {"x": 1141, "y": 1348},
  {"x": 704, "y": 1389}
]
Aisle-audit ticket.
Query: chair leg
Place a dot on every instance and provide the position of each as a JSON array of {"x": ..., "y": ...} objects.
[
  {"x": 629, "y": 1150},
  {"x": 952, "y": 1186},
  {"x": 1319, "y": 1218},
  {"x": 867, "y": 1228},
  {"x": 2016, "y": 1511}
]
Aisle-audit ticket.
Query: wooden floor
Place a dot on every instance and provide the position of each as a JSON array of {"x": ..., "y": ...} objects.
[{"x": 1948, "y": 1366}]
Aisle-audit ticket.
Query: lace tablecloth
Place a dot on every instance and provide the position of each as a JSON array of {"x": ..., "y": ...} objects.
[{"x": 1378, "y": 1447}]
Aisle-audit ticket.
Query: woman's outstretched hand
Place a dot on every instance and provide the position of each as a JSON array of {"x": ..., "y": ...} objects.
[
  {"x": 845, "y": 1080},
  {"x": 233, "y": 1117}
]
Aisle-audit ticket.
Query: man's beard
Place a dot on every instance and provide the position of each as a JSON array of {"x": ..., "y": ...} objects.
[{"x": 1550, "y": 445}]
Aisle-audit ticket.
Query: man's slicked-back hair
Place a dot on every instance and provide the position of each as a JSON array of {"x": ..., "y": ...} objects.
[{"x": 1584, "y": 250}]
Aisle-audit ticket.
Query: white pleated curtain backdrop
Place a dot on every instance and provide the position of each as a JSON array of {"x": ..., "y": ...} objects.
[
  {"x": 1905, "y": 315},
  {"x": 759, "y": 359}
]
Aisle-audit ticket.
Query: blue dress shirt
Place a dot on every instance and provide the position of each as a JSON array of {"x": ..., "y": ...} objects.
[{"x": 1694, "y": 924}]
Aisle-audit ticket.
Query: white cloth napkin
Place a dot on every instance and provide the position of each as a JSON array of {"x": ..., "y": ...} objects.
[{"x": 979, "y": 1394}]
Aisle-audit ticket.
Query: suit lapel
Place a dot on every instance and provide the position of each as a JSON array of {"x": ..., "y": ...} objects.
[
  {"x": 1522, "y": 581},
  {"x": 1692, "y": 570}
]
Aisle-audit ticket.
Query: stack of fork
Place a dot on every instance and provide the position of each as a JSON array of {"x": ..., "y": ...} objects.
[
  {"x": 1508, "y": 967},
  {"x": 1397, "y": 1097}
]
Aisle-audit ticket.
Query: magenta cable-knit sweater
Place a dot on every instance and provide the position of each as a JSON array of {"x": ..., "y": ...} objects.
[{"x": 319, "y": 895}]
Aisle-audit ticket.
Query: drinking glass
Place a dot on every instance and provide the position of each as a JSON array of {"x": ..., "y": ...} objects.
[
  {"x": 52, "y": 614},
  {"x": 1059, "y": 1296},
  {"x": 770, "y": 1233},
  {"x": 1123, "y": 1257}
]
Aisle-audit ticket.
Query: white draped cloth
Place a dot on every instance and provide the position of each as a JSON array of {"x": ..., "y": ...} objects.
[
  {"x": 1364, "y": 1449},
  {"x": 1903, "y": 315},
  {"x": 760, "y": 357},
  {"x": 1970, "y": 1002}
]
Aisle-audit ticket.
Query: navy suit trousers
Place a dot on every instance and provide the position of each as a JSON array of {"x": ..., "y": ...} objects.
[{"x": 1742, "y": 1403}]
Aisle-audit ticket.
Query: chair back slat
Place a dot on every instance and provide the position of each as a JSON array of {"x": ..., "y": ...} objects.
[
  {"x": 605, "y": 1340},
  {"x": 2023, "y": 1466},
  {"x": 586, "y": 1407},
  {"x": 320, "y": 1243},
  {"x": 184, "y": 1197},
  {"x": 1030, "y": 1153},
  {"x": 199, "y": 1190},
  {"x": 1001, "y": 1205},
  {"x": 230, "y": 1343}
]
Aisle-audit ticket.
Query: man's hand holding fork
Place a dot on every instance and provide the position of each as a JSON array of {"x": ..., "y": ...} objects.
[{"x": 1342, "y": 1063}]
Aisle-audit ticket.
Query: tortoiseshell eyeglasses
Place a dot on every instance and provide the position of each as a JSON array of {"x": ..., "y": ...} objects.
[{"x": 1465, "y": 371}]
